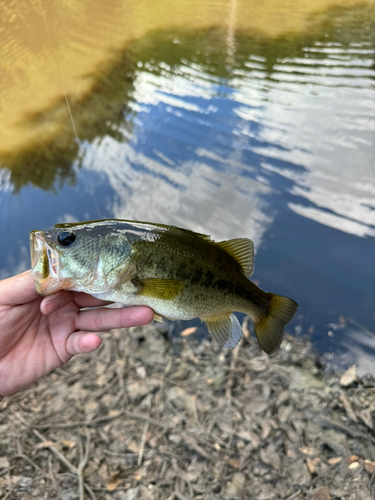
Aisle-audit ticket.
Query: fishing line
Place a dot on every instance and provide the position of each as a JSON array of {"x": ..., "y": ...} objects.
[{"x": 66, "y": 98}]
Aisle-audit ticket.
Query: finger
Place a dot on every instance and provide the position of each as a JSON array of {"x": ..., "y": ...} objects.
[
  {"x": 17, "y": 289},
  {"x": 101, "y": 320},
  {"x": 82, "y": 342},
  {"x": 86, "y": 300},
  {"x": 62, "y": 298},
  {"x": 56, "y": 301}
]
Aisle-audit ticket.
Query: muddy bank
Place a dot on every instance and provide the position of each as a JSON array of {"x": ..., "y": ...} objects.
[{"x": 150, "y": 419}]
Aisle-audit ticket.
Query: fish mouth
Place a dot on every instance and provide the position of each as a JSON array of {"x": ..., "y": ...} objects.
[{"x": 45, "y": 263}]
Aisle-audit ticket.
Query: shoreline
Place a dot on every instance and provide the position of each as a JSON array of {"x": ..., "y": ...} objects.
[{"x": 151, "y": 419}]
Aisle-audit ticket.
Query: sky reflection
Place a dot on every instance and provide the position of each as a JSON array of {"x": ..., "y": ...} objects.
[{"x": 229, "y": 135}]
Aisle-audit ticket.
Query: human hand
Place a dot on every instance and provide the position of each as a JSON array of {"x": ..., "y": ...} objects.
[{"x": 40, "y": 334}]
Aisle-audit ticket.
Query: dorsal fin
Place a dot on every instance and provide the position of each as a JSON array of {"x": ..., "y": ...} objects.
[
  {"x": 199, "y": 235},
  {"x": 242, "y": 249}
]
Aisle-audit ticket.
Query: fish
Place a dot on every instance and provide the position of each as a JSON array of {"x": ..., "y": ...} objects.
[{"x": 177, "y": 272}]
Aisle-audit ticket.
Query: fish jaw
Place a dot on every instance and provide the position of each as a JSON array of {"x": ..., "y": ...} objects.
[{"x": 45, "y": 264}]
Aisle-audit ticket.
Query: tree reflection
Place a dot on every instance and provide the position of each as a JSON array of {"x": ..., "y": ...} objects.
[{"x": 106, "y": 112}]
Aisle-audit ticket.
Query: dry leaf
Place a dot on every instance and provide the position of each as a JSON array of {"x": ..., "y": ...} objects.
[
  {"x": 348, "y": 408},
  {"x": 354, "y": 465},
  {"x": 114, "y": 481},
  {"x": 189, "y": 331},
  {"x": 284, "y": 413},
  {"x": 45, "y": 444},
  {"x": 370, "y": 466},
  {"x": 138, "y": 476},
  {"x": 133, "y": 446},
  {"x": 366, "y": 417},
  {"x": 352, "y": 458},
  {"x": 192, "y": 475},
  {"x": 266, "y": 429},
  {"x": 348, "y": 377},
  {"x": 194, "y": 359},
  {"x": 282, "y": 397},
  {"x": 334, "y": 460},
  {"x": 311, "y": 464},
  {"x": 68, "y": 444},
  {"x": 308, "y": 450},
  {"x": 234, "y": 462},
  {"x": 113, "y": 413}
]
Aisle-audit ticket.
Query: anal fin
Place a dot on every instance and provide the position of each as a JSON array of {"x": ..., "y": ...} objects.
[
  {"x": 225, "y": 330},
  {"x": 158, "y": 318}
]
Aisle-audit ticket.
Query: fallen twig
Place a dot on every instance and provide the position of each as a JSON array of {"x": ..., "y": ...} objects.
[
  {"x": 76, "y": 471},
  {"x": 81, "y": 467},
  {"x": 108, "y": 418},
  {"x": 142, "y": 448}
]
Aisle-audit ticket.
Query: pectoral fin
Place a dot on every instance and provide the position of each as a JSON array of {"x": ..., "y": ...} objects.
[
  {"x": 226, "y": 329},
  {"x": 158, "y": 288}
]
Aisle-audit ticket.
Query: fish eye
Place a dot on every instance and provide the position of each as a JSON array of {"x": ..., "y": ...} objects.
[{"x": 66, "y": 238}]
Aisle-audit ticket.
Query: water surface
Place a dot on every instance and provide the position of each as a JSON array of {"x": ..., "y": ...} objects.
[{"x": 227, "y": 117}]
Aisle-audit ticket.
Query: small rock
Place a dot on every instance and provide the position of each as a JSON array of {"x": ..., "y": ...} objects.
[
  {"x": 269, "y": 456},
  {"x": 298, "y": 473},
  {"x": 321, "y": 493},
  {"x": 68, "y": 494},
  {"x": 234, "y": 487},
  {"x": 368, "y": 381},
  {"x": 24, "y": 482},
  {"x": 4, "y": 463},
  {"x": 131, "y": 494},
  {"x": 175, "y": 438},
  {"x": 141, "y": 372}
]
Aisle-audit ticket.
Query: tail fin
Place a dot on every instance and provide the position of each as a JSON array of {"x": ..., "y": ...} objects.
[{"x": 270, "y": 328}]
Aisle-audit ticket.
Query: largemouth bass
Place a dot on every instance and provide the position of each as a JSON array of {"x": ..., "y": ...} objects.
[{"x": 180, "y": 274}]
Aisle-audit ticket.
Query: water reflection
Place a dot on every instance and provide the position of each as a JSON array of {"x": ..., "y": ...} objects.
[
  {"x": 48, "y": 164},
  {"x": 229, "y": 132}
]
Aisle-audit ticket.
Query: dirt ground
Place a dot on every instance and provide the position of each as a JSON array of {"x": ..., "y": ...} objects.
[{"x": 151, "y": 418}]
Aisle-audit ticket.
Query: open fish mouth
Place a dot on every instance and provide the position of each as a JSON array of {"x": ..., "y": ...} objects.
[{"x": 45, "y": 264}]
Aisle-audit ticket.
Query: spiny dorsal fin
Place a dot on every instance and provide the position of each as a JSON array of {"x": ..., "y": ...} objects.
[
  {"x": 199, "y": 235},
  {"x": 225, "y": 329},
  {"x": 242, "y": 249},
  {"x": 158, "y": 288}
]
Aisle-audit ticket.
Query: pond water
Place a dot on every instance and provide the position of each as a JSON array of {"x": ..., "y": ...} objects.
[{"x": 233, "y": 118}]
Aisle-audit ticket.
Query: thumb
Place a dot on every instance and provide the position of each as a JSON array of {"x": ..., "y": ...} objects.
[{"x": 17, "y": 290}]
